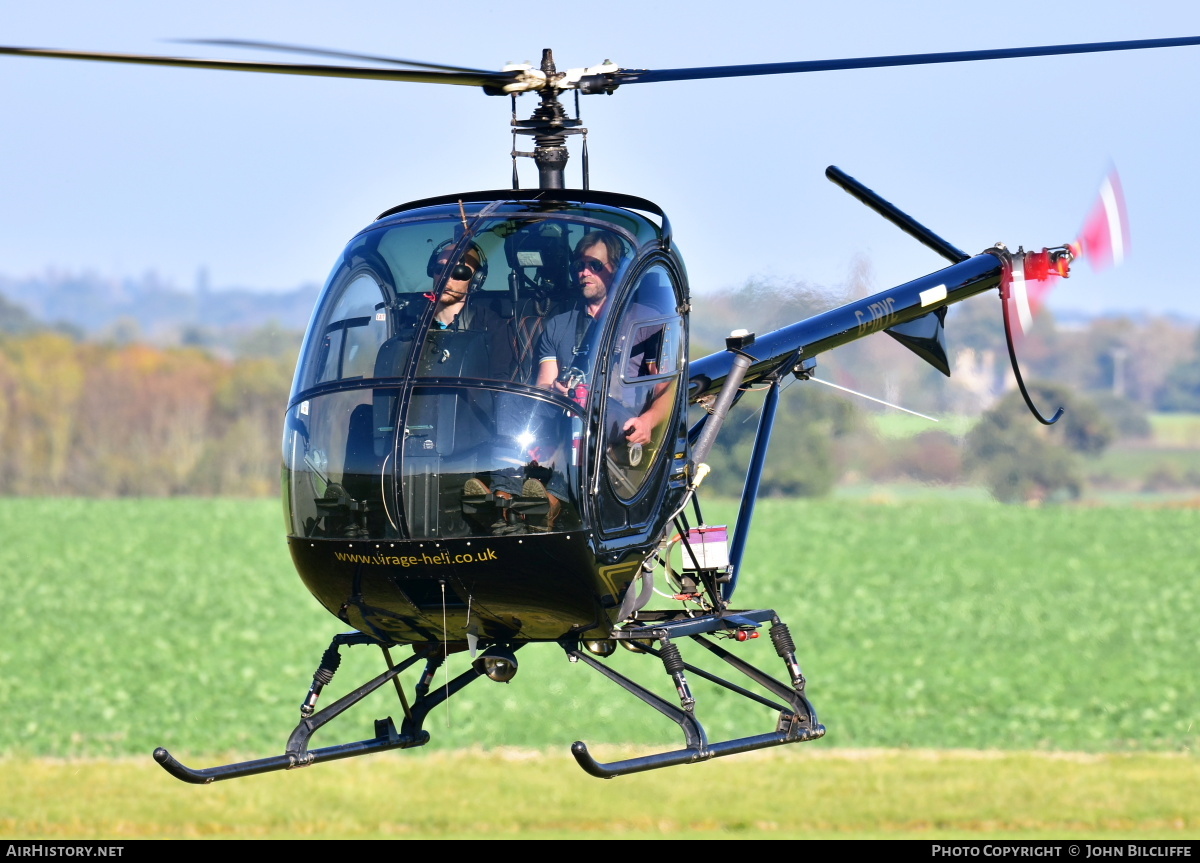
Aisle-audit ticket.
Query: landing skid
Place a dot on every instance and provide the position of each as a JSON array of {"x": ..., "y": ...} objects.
[
  {"x": 297, "y": 754},
  {"x": 797, "y": 719}
]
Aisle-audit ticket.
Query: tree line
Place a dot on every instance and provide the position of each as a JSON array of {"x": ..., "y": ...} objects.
[
  {"x": 83, "y": 418},
  {"x": 125, "y": 418}
]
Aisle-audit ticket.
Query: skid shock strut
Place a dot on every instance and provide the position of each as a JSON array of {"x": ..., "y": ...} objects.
[
  {"x": 673, "y": 662},
  {"x": 781, "y": 637}
]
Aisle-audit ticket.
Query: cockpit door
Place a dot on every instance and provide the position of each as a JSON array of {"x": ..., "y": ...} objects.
[{"x": 640, "y": 416}]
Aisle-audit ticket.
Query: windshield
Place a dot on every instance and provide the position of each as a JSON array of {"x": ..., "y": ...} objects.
[
  {"x": 473, "y": 461},
  {"x": 426, "y": 298},
  {"x": 443, "y": 380}
]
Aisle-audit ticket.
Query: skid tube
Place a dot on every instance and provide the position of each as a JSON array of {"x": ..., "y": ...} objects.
[
  {"x": 296, "y": 752},
  {"x": 797, "y": 718}
]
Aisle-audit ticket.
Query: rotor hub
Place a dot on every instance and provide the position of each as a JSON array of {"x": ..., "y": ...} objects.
[{"x": 549, "y": 125}]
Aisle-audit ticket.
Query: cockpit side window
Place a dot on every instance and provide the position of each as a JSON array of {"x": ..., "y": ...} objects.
[
  {"x": 353, "y": 331},
  {"x": 645, "y": 366}
]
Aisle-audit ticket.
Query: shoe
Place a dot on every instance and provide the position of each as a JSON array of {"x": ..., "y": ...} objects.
[
  {"x": 541, "y": 524},
  {"x": 502, "y": 526},
  {"x": 475, "y": 488}
]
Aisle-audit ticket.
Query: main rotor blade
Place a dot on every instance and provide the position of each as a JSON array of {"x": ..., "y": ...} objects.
[
  {"x": 469, "y": 79},
  {"x": 325, "y": 52},
  {"x": 644, "y": 76}
]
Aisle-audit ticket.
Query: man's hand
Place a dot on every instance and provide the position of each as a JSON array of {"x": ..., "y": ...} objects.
[{"x": 638, "y": 429}]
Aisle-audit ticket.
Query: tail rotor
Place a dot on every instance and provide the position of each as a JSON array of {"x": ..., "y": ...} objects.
[{"x": 1103, "y": 242}]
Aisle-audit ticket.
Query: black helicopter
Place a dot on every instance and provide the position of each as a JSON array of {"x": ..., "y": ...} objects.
[{"x": 487, "y": 442}]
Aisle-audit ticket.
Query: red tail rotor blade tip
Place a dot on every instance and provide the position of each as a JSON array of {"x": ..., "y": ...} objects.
[{"x": 1104, "y": 238}]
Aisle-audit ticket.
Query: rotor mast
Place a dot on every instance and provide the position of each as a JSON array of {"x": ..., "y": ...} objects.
[{"x": 549, "y": 126}]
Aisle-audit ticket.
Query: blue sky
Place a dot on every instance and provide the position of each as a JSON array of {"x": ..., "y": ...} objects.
[{"x": 261, "y": 179}]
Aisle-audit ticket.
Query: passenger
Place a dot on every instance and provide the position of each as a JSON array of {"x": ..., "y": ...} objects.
[
  {"x": 563, "y": 361},
  {"x": 466, "y": 275},
  {"x": 566, "y": 343},
  {"x": 460, "y": 308}
]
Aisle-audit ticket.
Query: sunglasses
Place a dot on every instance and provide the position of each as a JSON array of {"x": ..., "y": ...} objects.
[
  {"x": 591, "y": 264},
  {"x": 460, "y": 273}
]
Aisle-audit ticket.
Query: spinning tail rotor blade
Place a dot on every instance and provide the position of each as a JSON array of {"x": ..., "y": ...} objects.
[
  {"x": 1104, "y": 239},
  {"x": 1029, "y": 276},
  {"x": 1103, "y": 242}
]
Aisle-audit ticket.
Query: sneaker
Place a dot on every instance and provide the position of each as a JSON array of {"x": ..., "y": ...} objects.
[
  {"x": 475, "y": 488},
  {"x": 504, "y": 529},
  {"x": 534, "y": 488},
  {"x": 538, "y": 523}
]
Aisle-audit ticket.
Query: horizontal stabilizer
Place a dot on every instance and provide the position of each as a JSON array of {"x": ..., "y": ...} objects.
[{"x": 926, "y": 337}]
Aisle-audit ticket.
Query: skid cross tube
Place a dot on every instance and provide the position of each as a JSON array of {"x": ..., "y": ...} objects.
[{"x": 436, "y": 695}]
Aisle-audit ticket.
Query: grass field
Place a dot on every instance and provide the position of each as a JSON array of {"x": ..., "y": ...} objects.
[
  {"x": 1173, "y": 430},
  {"x": 527, "y": 794},
  {"x": 948, "y": 625},
  {"x": 893, "y": 424},
  {"x": 1178, "y": 430}
]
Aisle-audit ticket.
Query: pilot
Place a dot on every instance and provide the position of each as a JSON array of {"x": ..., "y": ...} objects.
[
  {"x": 565, "y": 344},
  {"x": 459, "y": 307}
]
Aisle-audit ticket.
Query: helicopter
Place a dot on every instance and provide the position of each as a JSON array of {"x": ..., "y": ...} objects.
[{"x": 478, "y": 488}]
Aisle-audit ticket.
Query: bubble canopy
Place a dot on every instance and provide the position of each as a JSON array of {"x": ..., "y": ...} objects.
[{"x": 451, "y": 365}]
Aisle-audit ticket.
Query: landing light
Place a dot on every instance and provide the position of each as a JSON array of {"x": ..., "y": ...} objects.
[
  {"x": 499, "y": 664},
  {"x": 601, "y": 646},
  {"x": 637, "y": 645}
]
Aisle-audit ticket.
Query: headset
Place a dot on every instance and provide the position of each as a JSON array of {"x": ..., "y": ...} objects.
[{"x": 434, "y": 270}]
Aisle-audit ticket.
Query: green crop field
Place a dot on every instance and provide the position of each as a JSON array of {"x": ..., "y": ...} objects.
[
  {"x": 1176, "y": 429},
  {"x": 930, "y": 625},
  {"x": 893, "y": 424}
]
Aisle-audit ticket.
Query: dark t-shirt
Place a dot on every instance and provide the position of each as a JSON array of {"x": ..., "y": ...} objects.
[
  {"x": 478, "y": 343},
  {"x": 566, "y": 335}
]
